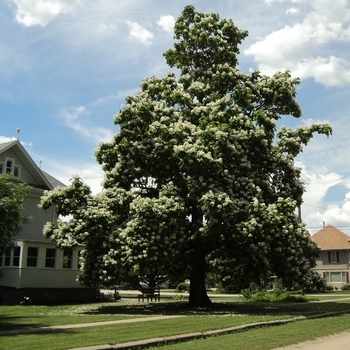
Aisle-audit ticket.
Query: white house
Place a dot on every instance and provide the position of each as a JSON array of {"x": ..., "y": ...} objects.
[{"x": 34, "y": 266}]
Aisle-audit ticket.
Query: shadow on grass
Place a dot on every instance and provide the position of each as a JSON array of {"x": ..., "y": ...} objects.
[
  {"x": 229, "y": 308},
  {"x": 16, "y": 322}
]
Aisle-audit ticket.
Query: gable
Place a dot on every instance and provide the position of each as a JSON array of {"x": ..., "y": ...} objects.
[{"x": 15, "y": 159}]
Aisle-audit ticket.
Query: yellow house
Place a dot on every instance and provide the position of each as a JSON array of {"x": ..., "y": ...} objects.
[{"x": 333, "y": 263}]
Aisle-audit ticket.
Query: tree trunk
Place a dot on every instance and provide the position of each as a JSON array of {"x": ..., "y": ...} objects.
[{"x": 198, "y": 292}]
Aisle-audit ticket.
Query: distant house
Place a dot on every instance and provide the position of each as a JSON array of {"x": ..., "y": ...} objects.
[
  {"x": 333, "y": 264},
  {"x": 34, "y": 266}
]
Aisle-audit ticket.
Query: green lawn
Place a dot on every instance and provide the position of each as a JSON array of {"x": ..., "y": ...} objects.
[
  {"x": 220, "y": 315},
  {"x": 267, "y": 338}
]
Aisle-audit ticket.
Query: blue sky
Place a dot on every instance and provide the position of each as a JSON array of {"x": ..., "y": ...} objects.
[{"x": 66, "y": 67}]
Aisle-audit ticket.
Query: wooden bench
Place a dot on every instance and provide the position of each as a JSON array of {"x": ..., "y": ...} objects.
[{"x": 149, "y": 293}]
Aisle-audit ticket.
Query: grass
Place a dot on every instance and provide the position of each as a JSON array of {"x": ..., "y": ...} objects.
[
  {"x": 220, "y": 315},
  {"x": 267, "y": 338}
]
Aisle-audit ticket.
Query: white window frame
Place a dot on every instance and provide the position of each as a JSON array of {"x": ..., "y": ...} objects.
[
  {"x": 9, "y": 170},
  {"x": 330, "y": 279},
  {"x": 50, "y": 259},
  {"x": 16, "y": 257},
  {"x": 67, "y": 258},
  {"x": 14, "y": 170},
  {"x": 334, "y": 259},
  {"x": 32, "y": 258}
]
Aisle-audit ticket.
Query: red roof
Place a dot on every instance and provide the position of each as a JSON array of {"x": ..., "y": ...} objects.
[{"x": 331, "y": 238}]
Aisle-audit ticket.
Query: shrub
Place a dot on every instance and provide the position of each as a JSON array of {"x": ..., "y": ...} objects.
[
  {"x": 329, "y": 287},
  {"x": 246, "y": 293},
  {"x": 255, "y": 294},
  {"x": 183, "y": 287},
  {"x": 178, "y": 297},
  {"x": 345, "y": 287}
]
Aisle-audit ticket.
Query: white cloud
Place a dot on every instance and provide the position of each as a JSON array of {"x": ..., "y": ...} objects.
[
  {"x": 292, "y": 11},
  {"x": 71, "y": 117},
  {"x": 302, "y": 47},
  {"x": 4, "y": 139},
  {"x": 90, "y": 172},
  {"x": 167, "y": 23},
  {"x": 76, "y": 119},
  {"x": 338, "y": 216},
  {"x": 139, "y": 33},
  {"x": 41, "y": 12},
  {"x": 113, "y": 97},
  {"x": 330, "y": 71},
  {"x": 318, "y": 182}
]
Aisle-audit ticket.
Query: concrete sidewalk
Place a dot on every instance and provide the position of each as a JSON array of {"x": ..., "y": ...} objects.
[
  {"x": 335, "y": 341},
  {"x": 330, "y": 342},
  {"x": 181, "y": 337},
  {"x": 83, "y": 325},
  {"x": 187, "y": 336}
]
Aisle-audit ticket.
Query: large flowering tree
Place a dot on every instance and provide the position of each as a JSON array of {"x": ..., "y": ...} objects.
[{"x": 199, "y": 178}]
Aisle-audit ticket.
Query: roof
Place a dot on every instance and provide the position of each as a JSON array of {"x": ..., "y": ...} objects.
[
  {"x": 6, "y": 145},
  {"x": 53, "y": 181},
  {"x": 330, "y": 238},
  {"x": 44, "y": 179}
]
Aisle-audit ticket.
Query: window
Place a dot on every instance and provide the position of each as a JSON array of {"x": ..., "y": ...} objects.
[
  {"x": 67, "y": 258},
  {"x": 9, "y": 164},
  {"x": 10, "y": 168},
  {"x": 17, "y": 172},
  {"x": 32, "y": 256},
  {"x": 50, "y": 257},
  {"x": 7, "y": 256},
  {"x": 16, "y": 256},
  {"x": 333, "y": 257},
  {"x": 337, "y": 277}
]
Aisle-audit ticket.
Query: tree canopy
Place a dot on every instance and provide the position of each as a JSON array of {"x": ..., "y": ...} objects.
[
  {"x": 12, "y": 195},
  {"x": 198, "y": 179}
]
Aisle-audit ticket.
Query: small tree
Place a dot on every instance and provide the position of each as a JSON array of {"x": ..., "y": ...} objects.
[
  {"x": 198, "y": 179},
  {"x": 12, "y": 195}
]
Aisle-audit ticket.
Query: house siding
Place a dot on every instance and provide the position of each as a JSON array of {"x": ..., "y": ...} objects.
[
  {"x": 325, "y": 268},
  {"x": 11, "y": 276},
  {"x": 42, "y": 278},
  {"x": 323, "y": 261},
  {"x": 33, "y": 230},
  {"x": 41, "y": 283},
  {"x": 26, "y": 175}
]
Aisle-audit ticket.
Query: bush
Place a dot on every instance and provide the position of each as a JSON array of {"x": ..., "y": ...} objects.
[
  {"x": 183, "y": 287},
  {"x": 178, "y": 297},
  {"x": 345, "y": 287},
  {"x": 256, "y": 294},
  {"x": 329, "y": 287},
  {"x": 281, "y": 297},
  {"x": 246, "y": 293}
]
